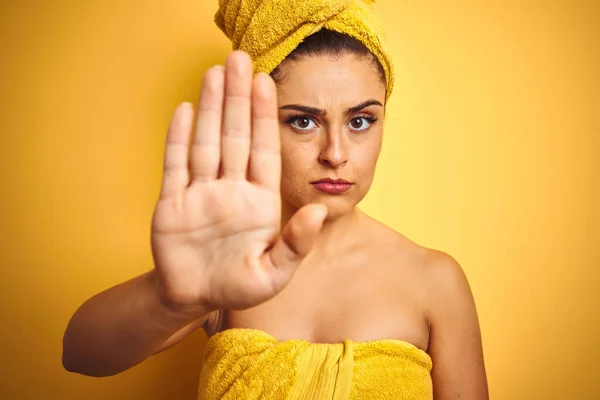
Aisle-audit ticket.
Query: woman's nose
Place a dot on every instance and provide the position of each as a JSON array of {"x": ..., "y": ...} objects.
[{"x": 334, "y": 153}]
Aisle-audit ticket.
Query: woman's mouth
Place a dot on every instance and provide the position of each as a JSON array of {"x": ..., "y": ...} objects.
[{"x": 332, "y": 186}]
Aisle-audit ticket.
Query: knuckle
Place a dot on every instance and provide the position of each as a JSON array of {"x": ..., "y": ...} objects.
[{"x": 236, "y": 133}]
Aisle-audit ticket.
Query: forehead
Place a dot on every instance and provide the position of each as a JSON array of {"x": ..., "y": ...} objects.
[{"x": 330, "y": 82}]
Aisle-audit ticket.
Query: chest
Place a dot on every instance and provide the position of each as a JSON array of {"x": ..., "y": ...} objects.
[{"x": 350, "y": 300}]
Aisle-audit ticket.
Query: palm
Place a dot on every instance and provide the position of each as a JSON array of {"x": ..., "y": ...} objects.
[
  {"x": 215, "y": 228},
  {"x": 219, "y": 206},
  {"x": 216, "y": 224}
]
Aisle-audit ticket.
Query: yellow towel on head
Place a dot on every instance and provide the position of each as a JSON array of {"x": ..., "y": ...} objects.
[
  {"x": 269, "y": 30},
  {"x": 251, "y": 364}
]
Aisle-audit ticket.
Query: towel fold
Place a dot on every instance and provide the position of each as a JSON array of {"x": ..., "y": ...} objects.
[
  {"x": 269, "y": 30},
  {"x": 252, "y": 364}
]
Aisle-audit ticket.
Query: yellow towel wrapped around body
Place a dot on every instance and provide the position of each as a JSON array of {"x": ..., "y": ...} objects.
[
  {"x": 270, "y": 30},
  {"x": 252, "y": 364}
]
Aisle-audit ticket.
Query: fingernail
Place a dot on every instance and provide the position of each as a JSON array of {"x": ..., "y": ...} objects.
[{"x": 183, "y": 106}]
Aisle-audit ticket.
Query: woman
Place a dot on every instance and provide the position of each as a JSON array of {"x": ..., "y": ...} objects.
[{"x": 332, "y": 305}]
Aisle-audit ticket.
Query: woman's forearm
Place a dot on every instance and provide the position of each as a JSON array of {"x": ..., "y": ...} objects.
[{"x": 120, "y": 327}]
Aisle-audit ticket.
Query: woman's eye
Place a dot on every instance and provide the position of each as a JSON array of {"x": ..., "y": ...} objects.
[
  {"x": 303, "y": 123},
  {"x": 361, "y": 123}
]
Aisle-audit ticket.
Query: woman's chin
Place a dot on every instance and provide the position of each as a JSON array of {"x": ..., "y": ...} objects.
[{"x": 336, "y": 207}]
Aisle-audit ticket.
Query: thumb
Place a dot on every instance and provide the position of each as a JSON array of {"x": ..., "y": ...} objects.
[{"x": 297, "y": 238}]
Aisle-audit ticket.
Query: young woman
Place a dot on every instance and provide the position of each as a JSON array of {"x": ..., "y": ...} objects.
[{"x": 257, "y": 238}]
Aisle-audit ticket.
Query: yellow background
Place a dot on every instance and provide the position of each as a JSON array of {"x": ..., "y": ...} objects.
[{"x": 490, "y": 154}]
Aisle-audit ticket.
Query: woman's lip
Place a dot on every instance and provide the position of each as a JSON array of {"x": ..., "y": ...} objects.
[
  {"x": 329, "y": 180},
  {"x": 332, "y": 187}
]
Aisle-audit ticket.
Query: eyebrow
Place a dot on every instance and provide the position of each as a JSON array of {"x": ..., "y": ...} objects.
[{"x": 318, "y": 111}]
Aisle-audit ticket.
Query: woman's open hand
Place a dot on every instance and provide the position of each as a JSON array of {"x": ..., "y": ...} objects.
[{"x": 216, "y": 238}]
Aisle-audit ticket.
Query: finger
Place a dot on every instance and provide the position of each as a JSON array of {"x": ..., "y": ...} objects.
[
  {"x": 296, "y": 240},
  {"x": 175, "y": 170},
  {"x": 265, "y": 154},
  {"x": 235, "y": 142},
  {"x": 205, "y": 153}
]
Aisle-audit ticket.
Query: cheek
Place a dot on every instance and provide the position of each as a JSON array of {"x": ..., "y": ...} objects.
[
  {"x": 295, "y": 169},
  {"x": 365, "y": 163},
  {"x": 293, "y": 160},
  {"x": 367, "y": 153}
]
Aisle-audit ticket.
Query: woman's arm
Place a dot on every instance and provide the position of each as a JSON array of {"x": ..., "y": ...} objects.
[
  {"x": 122, "y": 326},
  {"x": 455, "y": 338}
]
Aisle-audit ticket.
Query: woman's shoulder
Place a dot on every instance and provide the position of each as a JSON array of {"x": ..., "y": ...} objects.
[
  {"x": 388, "y": 239},
  {"x": 437, "y": 266},
  {"x": 446, "y": 287}
]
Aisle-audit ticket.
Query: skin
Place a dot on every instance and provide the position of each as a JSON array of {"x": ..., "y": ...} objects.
[
  {"x": 280, "y": 256},
  {"x": 422, "y": 295}
]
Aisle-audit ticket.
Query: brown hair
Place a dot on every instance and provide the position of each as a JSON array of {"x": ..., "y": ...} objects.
[{"x": 328, "y": 43}]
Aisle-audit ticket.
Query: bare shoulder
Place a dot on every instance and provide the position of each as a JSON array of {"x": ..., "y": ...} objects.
[
  {"x": 455, "y": 343},
  {"x": 444, "y": 274},
  {"x": 436, "y": 266},
  {"x": 391, "y": 240},
  {"x": 448, "y": 291},
  {"x": 440, "y": 283},
  {"x": 438, "y": 274}
]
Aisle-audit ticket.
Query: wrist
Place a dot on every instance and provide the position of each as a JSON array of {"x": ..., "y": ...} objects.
[{"x": 166, "y": 314}]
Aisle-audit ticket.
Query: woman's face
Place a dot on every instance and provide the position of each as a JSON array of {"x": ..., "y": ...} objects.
[{"x": 331, "y": 124}]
